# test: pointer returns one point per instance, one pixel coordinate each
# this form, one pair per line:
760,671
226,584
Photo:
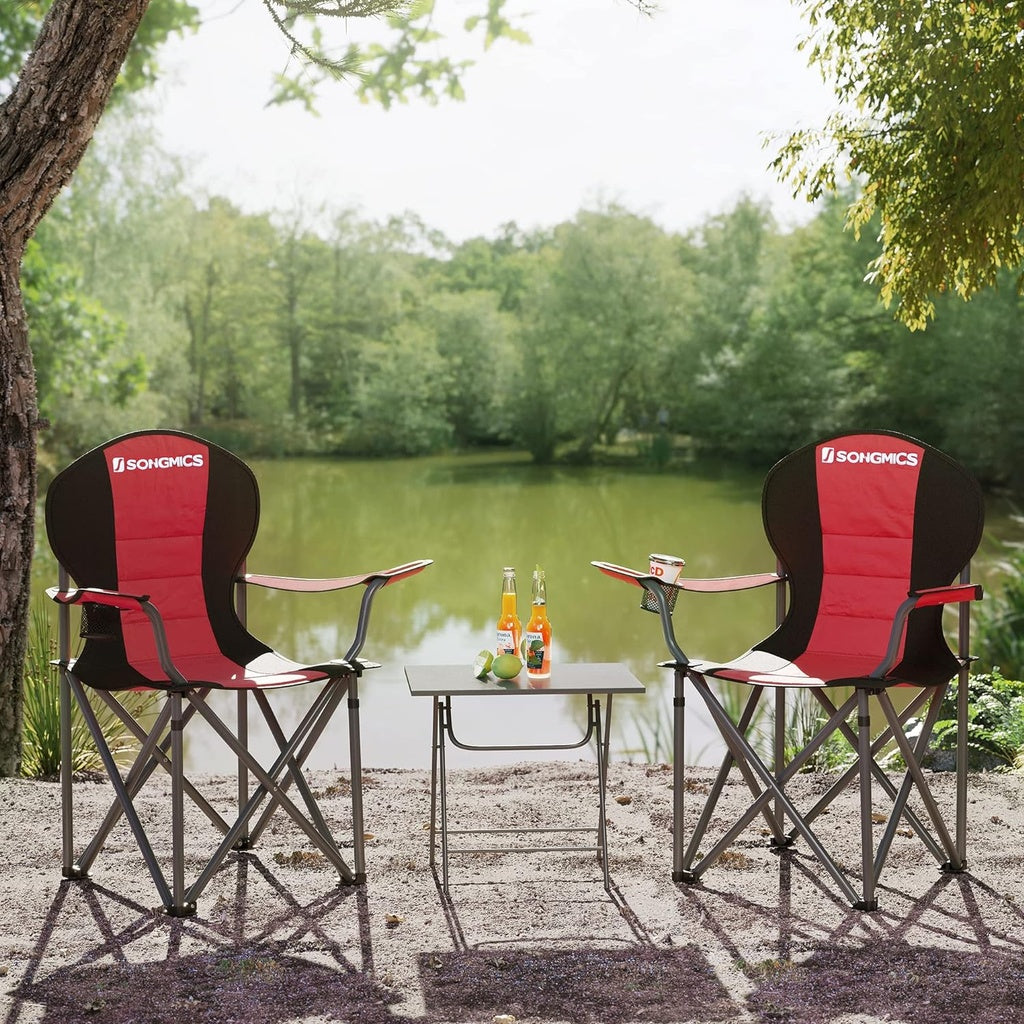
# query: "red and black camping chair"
873,534
154,528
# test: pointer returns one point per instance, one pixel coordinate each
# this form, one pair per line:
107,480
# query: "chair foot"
866,905
949,868
685,876
783,843
359,878
75,873
187,910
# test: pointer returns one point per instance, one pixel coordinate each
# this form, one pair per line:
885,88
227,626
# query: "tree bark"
46,124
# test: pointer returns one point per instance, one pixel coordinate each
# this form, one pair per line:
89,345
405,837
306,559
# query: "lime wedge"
482,665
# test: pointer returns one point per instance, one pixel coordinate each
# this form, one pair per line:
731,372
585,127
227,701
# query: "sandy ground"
530,936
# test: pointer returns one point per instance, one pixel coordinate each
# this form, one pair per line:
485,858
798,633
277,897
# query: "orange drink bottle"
537,643
510,629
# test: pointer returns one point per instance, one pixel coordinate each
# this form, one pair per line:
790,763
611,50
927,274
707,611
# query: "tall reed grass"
41,756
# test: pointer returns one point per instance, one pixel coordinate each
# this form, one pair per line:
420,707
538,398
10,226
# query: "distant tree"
606,303
930,123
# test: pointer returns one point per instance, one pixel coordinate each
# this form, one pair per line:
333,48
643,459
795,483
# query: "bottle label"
506,642
534,646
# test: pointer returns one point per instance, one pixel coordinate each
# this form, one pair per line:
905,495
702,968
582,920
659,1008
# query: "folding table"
445,682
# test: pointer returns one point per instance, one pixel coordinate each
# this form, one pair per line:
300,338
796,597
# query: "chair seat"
266,672
759,668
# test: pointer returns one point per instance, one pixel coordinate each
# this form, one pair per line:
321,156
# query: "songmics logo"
119,464
830,455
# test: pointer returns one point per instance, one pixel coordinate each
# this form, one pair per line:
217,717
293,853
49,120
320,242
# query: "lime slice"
482,665
506,666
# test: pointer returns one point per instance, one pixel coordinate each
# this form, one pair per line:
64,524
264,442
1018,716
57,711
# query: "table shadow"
580,985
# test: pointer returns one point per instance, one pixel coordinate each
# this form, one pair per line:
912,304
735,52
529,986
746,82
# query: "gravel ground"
534,937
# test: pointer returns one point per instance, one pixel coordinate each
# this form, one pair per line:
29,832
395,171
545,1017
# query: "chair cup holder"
649,602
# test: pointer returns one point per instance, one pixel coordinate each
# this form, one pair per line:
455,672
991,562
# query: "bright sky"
665,115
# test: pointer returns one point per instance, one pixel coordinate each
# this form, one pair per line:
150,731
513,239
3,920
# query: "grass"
41,725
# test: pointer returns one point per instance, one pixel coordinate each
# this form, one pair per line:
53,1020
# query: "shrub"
999,619
41,725
995,721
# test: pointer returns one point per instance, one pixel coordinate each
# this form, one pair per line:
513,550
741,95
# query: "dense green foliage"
19,26
999,619
929,119
318,331
995,725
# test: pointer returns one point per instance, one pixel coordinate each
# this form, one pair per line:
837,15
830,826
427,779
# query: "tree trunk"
45,125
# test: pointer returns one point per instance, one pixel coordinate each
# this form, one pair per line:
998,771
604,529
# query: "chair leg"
780,759
153,753
748,759
865,761
678,772
923,789
774,819
123,796
312,726
179,907
268,785
879,775
70,868
295,764
242,730
355,754
962,698
900,810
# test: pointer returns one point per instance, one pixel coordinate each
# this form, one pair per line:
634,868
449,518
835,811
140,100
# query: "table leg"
433,780
445,717
602,782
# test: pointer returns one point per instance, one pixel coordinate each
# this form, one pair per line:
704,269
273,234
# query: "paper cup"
666,569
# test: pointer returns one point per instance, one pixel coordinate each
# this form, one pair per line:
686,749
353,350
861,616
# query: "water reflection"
473,515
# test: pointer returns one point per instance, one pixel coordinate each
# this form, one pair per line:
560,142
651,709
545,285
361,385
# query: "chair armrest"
314,586
127,602
373,581
656,589
95,595
956,593
721,584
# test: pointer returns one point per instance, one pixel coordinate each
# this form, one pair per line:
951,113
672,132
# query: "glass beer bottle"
537,643
510,629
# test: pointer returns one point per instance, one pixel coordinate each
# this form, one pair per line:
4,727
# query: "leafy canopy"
19,26
403,66
930,121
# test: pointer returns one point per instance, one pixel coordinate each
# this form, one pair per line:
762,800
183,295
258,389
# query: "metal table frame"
443,682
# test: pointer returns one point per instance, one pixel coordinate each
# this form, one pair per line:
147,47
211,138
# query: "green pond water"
473,515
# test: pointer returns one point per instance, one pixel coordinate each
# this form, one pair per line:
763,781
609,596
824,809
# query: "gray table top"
458,681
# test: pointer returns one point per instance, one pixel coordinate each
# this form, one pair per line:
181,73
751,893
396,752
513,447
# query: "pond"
473,515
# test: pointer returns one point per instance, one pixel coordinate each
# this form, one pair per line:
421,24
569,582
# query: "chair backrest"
159,513
858,521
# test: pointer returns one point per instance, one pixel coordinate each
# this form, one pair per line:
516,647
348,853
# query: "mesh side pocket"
99,622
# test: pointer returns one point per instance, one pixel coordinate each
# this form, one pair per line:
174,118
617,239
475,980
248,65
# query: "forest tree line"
301,331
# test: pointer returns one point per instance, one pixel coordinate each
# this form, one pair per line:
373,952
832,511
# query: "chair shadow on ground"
955,953
937,959
207,968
